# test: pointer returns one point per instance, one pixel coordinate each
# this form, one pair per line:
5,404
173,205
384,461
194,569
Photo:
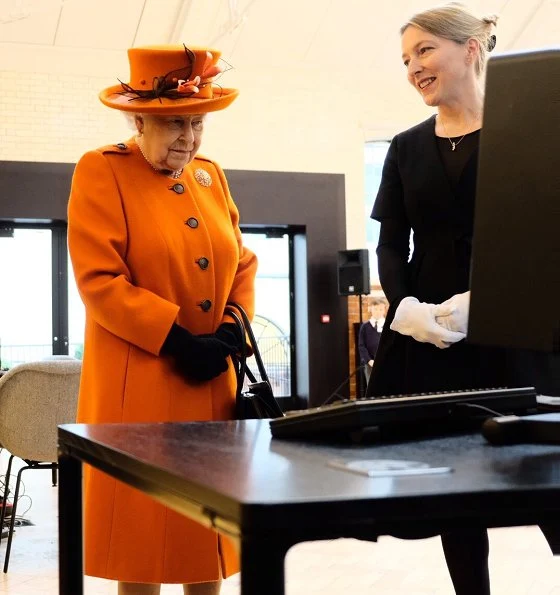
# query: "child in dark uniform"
370,333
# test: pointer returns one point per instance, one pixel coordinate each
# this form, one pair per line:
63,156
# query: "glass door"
26,291
272,321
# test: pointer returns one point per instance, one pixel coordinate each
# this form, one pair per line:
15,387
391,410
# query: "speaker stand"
361,387
360,306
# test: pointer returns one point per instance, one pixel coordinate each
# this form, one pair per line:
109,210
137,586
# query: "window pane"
271,324
26,296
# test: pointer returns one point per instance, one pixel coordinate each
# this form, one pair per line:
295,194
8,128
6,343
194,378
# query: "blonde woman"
428,187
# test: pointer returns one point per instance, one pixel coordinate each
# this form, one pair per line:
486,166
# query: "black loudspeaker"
353,272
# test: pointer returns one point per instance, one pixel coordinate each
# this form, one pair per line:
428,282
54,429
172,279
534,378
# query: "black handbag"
258,401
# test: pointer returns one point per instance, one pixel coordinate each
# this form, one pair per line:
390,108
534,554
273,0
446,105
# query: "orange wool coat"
136,264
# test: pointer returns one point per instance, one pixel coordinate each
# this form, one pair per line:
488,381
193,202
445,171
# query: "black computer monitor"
515,274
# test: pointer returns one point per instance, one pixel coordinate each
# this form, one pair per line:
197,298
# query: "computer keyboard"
441,412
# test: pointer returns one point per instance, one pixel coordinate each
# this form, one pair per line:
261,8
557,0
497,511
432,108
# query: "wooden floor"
521,563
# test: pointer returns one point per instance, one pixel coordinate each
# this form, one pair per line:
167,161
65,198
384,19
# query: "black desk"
272,494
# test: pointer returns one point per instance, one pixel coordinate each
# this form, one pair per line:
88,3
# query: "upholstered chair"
35,398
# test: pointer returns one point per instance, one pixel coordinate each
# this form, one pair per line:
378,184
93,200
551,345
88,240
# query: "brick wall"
54,117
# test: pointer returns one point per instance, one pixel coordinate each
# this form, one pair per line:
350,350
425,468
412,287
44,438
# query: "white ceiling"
348,43
314,33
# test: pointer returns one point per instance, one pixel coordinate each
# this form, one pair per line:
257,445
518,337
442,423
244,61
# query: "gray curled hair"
131,117
456,22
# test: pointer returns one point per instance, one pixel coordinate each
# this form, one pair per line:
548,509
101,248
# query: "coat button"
121,146
203,263
206,305
178,188
192,222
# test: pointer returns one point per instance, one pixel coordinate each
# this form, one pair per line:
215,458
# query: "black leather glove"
229,333
196,357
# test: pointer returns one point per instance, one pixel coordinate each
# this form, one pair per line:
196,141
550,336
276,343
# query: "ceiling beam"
179,22
138,24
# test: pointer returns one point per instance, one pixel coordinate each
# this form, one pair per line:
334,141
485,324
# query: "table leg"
71,580
262,566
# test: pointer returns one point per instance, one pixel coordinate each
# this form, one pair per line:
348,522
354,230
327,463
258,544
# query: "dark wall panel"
34,190
39,191
315,201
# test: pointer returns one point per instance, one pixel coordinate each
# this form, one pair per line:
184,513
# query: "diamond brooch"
202,177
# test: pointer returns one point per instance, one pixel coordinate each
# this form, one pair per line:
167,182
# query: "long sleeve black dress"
429,189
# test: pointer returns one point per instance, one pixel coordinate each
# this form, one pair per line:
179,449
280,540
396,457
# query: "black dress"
428,191
431,192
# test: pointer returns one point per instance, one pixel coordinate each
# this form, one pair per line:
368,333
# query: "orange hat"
170,79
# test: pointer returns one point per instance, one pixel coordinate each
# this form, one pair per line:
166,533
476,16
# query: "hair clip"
491,43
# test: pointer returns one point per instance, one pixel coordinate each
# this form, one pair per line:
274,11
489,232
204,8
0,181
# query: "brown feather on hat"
170,80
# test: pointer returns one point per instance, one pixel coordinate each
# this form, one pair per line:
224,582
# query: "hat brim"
115,98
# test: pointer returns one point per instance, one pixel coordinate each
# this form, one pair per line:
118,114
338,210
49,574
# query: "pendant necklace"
453,143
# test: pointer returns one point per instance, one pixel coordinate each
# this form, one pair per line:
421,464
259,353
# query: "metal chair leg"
13,519
5,498
54,474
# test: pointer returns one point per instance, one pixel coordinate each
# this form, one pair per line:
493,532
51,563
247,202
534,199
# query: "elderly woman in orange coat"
157,252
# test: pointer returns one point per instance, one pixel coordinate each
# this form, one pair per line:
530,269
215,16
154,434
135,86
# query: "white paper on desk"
386,467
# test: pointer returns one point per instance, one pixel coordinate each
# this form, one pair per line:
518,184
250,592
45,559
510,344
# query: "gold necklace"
175,175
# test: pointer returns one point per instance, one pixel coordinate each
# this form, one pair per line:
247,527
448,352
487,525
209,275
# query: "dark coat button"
206,305
178,188
121,146
192,222
203,263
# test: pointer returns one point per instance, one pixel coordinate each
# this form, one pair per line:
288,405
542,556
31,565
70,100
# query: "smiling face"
170,142
439,69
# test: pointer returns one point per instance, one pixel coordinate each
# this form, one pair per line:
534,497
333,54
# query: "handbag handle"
247,329
240,362
259,403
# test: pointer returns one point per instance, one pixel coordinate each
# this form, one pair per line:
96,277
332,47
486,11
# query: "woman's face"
170,142
437,68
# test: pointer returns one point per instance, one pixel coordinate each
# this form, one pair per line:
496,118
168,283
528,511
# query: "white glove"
418,320
458,318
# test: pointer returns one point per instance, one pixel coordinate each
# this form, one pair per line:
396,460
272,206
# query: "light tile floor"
521,563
